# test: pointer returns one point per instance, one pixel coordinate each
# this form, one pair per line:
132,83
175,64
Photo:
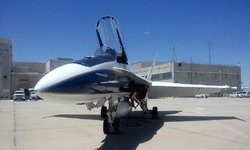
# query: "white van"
241,94
19,95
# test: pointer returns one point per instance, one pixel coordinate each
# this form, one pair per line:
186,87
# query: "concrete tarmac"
184,123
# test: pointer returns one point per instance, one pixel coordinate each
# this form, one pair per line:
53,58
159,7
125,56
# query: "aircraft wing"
167,89
133,76
169,84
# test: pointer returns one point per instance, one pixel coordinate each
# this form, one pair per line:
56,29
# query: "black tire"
117,126
154,113
106,126
104,112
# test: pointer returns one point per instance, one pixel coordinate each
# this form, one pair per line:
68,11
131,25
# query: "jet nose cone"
58,75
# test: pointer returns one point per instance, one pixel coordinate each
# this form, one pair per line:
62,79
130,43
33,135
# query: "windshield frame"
101,55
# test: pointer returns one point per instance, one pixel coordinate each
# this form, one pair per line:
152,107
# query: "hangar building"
191,73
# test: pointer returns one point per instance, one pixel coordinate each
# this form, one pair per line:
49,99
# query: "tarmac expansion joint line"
14,130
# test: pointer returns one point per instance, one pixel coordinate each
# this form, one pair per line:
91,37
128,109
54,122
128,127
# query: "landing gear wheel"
104,112
106,126
117,126
154,113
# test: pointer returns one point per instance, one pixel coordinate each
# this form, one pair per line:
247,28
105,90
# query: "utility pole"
209,43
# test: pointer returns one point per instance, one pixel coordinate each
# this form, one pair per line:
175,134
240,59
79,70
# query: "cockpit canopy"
111,47
101,55
108,34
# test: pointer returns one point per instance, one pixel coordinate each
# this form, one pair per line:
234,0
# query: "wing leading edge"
167,89
168,84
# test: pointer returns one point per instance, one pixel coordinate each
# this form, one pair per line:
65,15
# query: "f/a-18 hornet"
106,76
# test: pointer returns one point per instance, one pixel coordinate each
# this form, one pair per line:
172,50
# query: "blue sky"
45,29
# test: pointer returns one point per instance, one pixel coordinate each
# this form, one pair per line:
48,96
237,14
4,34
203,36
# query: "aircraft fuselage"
75,83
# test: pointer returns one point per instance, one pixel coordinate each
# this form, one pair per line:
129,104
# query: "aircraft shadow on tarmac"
138,128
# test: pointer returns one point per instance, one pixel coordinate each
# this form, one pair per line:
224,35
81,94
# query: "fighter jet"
106,76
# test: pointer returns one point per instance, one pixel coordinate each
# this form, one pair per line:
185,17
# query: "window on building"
194,75
224,76
232,76
155,77
167,76
209,75
182,74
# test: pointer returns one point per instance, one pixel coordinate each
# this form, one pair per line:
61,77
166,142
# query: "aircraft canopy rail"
108,34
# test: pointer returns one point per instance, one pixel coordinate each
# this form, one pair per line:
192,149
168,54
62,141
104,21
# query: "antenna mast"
209,43
174,57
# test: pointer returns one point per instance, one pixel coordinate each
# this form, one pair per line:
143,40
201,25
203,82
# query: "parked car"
19,95
33,96
247,94
201,96
233,95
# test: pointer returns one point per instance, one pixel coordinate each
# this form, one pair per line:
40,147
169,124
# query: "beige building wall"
55,63
25,75
190,73
207,74
32,66
24,81
5,67
48,66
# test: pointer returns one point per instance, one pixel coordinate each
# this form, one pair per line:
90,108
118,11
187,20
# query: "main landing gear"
113,127
119,107
104,112
154,113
